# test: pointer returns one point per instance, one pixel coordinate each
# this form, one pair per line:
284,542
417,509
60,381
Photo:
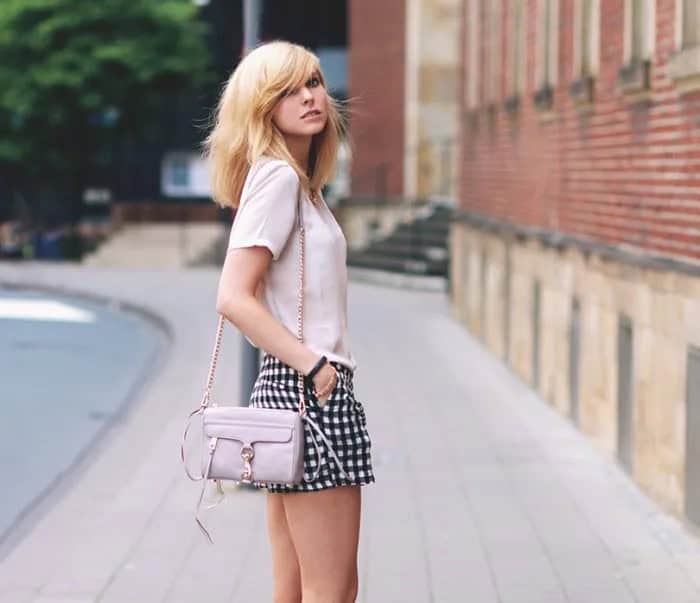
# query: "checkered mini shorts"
342,420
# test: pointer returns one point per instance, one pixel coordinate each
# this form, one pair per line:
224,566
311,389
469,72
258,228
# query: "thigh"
325,529
285,567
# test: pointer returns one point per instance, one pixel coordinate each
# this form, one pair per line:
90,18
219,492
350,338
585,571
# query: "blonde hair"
243,128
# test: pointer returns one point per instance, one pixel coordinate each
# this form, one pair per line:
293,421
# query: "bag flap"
250,424
248,432
250,414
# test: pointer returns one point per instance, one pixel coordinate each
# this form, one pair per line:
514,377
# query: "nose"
306,93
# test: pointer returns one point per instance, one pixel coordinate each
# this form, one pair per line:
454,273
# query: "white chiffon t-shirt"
266,216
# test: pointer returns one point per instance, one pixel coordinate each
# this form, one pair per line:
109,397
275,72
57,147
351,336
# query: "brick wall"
376,85
620,172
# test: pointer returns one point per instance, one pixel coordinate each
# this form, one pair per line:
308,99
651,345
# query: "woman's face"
302,112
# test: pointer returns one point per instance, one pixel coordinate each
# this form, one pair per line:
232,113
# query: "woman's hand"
325,380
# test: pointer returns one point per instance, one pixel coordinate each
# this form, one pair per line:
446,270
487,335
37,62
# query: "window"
586,44
179,173
516,52
184,174
640,29
684,66
473,26
634,25
493,57
586,32
547,51
690,27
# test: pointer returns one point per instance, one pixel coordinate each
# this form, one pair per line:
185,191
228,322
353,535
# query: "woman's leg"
285,567
325,529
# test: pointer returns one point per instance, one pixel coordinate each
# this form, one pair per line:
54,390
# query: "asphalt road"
67,366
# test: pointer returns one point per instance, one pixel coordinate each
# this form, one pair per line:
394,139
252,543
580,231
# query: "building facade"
403,80
576,253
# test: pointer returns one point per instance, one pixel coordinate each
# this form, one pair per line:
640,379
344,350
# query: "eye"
315,79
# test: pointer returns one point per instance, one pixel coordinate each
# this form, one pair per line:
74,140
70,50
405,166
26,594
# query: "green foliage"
75,75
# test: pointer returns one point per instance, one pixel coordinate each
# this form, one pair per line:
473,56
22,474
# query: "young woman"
276,127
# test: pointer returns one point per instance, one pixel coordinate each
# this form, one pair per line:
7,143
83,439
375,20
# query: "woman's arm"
242,270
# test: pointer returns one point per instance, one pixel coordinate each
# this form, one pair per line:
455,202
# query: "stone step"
433,229
392,248
417,237
416,248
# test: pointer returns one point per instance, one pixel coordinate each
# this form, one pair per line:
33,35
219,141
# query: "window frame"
547,53
635,74
493,56
473,48
684,65
680,26
582,86
517,49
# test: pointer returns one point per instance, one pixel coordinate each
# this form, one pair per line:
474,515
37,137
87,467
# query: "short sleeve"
267,211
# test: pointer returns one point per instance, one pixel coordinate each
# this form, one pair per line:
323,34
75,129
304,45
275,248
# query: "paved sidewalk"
160,245
483,494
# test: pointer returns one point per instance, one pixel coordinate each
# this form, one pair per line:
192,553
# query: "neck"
299,147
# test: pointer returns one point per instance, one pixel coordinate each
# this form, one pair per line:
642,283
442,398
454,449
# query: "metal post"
250,355
446,161
252,9
182,235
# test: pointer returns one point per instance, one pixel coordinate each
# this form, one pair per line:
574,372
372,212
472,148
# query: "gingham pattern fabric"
342,420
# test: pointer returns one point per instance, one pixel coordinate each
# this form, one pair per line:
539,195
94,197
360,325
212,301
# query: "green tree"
76,76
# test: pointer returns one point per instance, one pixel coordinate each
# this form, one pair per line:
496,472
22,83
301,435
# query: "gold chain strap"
300,311
300,301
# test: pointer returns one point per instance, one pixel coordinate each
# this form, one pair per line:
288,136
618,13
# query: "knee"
346,593
286,597
286,589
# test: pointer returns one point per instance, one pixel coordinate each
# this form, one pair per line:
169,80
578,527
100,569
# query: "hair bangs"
301,67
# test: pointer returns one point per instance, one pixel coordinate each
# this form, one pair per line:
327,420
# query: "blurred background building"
102,117
404,68
576,245
320,26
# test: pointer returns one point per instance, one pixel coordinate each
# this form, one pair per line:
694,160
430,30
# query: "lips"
311,113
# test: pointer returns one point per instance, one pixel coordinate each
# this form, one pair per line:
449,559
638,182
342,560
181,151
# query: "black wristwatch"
317,367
